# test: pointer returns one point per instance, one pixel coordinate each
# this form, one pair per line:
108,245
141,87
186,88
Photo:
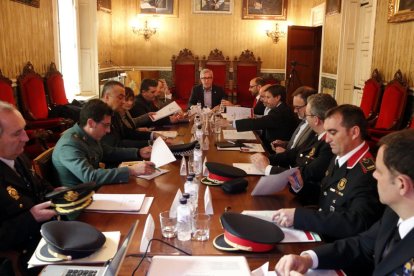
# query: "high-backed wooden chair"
184,75
371,95
43,166
33,101
55,86
6,90
220,66
245,68
392,107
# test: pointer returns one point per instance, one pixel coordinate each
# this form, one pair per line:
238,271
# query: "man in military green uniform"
21,193
348,202
311,158
79,151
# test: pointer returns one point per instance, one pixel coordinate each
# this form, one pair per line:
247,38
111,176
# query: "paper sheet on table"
167,133
273,183
153,175
147,234
161,153
208,203
107,251
175,203
143,211
249,168
291,235
167,110
238,112
264,271
117,202
232,134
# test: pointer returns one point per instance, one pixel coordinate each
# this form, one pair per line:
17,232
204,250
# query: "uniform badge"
312,152
13,193
341,184
408,267
71,196
367,164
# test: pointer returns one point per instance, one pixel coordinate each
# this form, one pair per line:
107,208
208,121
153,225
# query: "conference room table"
164,188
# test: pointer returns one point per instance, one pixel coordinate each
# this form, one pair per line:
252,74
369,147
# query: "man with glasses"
206,93
348,199
79,152
254,87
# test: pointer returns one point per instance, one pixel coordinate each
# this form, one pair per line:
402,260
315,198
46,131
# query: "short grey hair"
206,70
5,107
320,104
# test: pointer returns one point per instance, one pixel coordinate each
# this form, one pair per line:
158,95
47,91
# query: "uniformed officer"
348,202
21,193
79,151
312,158
388,245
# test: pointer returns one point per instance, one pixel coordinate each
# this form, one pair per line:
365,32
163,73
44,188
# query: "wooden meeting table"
164,188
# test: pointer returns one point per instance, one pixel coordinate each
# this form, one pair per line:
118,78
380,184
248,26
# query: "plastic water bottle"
183,221
192,188
199,134
198,159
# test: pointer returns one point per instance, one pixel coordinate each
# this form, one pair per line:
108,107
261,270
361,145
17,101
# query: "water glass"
201,227
168,225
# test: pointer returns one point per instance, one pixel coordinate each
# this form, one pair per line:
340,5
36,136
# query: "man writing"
388,244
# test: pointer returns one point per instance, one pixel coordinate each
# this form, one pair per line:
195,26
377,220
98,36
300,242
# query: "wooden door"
302,58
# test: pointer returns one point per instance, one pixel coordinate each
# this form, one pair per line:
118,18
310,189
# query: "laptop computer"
111,269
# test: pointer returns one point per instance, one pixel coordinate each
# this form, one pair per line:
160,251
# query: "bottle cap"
183,200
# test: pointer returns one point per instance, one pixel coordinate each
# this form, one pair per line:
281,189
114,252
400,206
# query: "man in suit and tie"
254,87
348,199
388,244
303,131
206,93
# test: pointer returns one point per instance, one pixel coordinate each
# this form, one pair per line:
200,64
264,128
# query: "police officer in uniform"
78,152
21,192
312,158
348,202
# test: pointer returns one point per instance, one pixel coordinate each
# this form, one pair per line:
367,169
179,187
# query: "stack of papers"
120,203
273,183
232,134
291,235
167,133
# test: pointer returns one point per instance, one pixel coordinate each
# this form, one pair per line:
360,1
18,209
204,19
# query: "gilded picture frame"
213,6
265,9
33,3
400,10
167,8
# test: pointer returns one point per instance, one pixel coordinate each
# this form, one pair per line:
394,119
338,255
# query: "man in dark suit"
279,121
388,244
207,94
21,193
254,87
348,202
313,158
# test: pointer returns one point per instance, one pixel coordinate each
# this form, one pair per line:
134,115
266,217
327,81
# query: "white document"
249,168
175,203
167,133
232,134
205,170
117,202
161,153
107,251
147,234
273,183
208,203
146,205
238,112
199,265
264,271
157,172
291,235
167,110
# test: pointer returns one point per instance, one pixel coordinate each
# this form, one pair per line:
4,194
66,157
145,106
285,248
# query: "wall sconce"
276,34
145,29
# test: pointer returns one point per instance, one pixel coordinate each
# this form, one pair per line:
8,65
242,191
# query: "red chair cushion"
244,75
6,93
56,90
392,104
35,97
370,96
184,81
219,73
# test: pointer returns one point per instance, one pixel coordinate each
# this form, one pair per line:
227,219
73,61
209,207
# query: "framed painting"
33,3
105,6
158,7
213,6
333,7
265,9
400,10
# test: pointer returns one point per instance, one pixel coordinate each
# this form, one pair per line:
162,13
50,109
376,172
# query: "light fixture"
146,30
276,34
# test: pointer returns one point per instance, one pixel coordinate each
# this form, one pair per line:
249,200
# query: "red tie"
254,102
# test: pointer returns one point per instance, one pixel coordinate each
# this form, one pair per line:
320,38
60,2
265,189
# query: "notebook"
111,269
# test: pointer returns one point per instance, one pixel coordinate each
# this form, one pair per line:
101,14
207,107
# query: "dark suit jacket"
259,108
303,138
197,95
142,107
278,124
348,202
18,228
367,249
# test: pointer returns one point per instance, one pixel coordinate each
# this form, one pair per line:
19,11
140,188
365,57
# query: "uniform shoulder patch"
367,164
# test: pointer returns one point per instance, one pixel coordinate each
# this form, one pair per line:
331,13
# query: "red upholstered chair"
371,96
245,68
184,75
220,66
6,90
34,104
392,107
55,86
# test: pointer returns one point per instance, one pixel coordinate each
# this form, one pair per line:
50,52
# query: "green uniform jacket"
76,159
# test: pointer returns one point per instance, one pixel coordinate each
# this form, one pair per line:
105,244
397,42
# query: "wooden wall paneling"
104,38
332,30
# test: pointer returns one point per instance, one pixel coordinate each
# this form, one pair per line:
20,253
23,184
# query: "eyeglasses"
310,115
206,78
105,125
297,107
